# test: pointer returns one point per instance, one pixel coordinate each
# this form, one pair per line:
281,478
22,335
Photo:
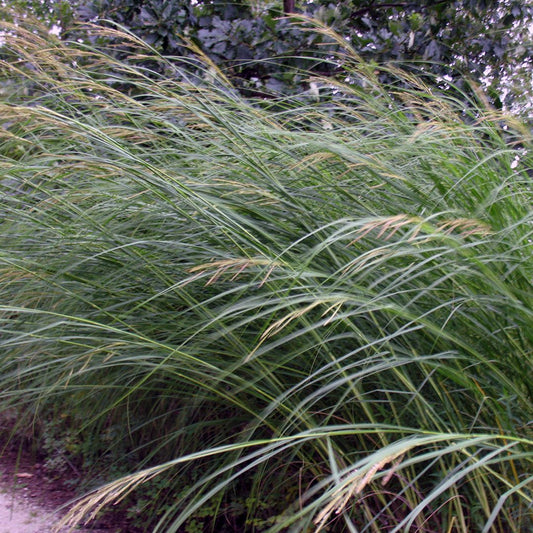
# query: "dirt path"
18,514
22,512
31,502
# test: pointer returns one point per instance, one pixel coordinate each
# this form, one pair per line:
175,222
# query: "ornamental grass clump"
305,314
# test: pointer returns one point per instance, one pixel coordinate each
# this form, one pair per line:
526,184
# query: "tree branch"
375,7
288,6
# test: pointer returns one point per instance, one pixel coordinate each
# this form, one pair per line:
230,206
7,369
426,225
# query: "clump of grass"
302,314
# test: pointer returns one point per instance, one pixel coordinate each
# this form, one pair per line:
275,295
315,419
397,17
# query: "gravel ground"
32,499
30,502
19,515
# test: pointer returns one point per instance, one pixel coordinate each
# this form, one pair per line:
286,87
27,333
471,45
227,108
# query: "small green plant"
61,448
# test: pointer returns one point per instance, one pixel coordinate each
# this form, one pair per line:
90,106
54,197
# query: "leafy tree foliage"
265,46
259,45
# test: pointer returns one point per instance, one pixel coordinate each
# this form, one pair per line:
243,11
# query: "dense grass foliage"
291,315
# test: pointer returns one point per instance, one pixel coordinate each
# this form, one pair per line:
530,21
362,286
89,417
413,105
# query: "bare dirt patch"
32,501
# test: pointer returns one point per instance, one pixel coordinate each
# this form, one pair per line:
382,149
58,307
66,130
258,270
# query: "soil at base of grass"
22,474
